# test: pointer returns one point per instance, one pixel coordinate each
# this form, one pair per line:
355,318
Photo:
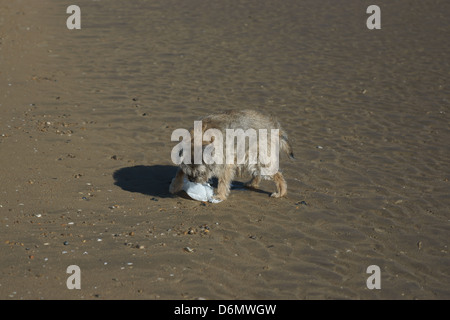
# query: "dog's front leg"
224,182
177,183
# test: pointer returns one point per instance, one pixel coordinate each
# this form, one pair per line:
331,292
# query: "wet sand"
85,125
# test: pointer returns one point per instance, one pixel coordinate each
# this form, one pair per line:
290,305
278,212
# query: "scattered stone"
187,249
191,231
204,229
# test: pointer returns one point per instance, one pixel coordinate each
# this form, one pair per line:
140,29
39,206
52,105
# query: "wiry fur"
245,119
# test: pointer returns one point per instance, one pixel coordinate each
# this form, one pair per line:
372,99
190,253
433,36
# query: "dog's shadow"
149,180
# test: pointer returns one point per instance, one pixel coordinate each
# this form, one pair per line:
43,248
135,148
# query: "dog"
225,171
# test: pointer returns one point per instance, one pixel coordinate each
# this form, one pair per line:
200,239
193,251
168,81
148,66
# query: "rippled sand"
85,145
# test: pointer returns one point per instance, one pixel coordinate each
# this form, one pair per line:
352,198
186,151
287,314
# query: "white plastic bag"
199,192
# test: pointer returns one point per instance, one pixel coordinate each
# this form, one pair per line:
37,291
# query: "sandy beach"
85,125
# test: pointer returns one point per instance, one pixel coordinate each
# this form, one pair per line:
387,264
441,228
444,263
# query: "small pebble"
187,249
191,231
66,243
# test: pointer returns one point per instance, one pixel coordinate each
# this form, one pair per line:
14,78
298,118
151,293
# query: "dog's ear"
204,126
205,143
191,135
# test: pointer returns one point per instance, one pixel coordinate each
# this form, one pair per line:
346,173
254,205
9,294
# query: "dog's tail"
285,146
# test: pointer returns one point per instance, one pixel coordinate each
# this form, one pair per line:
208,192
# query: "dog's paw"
275,195
217,198
214,200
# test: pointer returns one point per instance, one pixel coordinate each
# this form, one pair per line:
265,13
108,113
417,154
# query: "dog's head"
198,173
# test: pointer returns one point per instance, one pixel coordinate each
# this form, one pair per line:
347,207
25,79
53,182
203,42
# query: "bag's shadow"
148,180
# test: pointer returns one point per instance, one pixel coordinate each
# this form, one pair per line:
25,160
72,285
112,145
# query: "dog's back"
247,119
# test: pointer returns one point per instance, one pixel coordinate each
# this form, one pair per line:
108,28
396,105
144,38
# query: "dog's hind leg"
281,185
